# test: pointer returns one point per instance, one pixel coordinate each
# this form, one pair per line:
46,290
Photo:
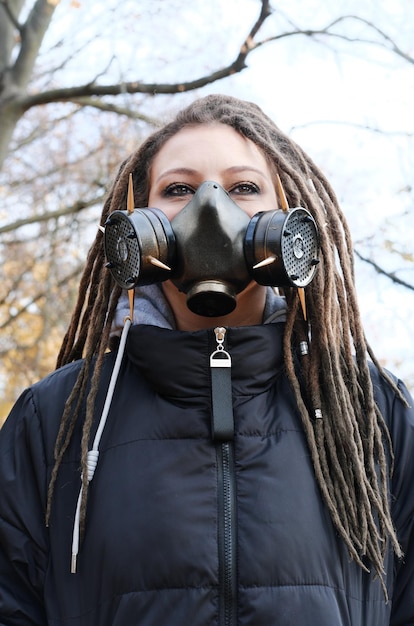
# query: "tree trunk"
16,69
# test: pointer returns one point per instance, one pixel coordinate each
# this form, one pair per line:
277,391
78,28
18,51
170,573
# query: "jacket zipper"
227,534
223,434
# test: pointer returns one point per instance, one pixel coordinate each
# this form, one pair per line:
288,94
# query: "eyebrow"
189,171
176,170
245,168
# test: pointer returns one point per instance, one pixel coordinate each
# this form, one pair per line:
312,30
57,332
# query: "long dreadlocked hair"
348,440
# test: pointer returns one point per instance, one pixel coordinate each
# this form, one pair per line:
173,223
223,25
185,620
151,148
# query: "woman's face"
216,153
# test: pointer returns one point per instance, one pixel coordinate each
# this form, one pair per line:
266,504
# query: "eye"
245,189
178,190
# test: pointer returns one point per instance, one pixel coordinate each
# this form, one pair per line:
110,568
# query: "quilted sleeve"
402,431
23,535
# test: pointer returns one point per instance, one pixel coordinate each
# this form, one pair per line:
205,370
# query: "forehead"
206,142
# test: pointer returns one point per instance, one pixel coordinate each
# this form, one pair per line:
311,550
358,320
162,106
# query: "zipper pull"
220,357
222,421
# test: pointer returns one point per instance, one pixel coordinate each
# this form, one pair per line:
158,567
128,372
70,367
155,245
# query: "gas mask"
212,249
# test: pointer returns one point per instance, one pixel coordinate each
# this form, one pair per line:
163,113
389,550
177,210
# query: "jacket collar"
176,363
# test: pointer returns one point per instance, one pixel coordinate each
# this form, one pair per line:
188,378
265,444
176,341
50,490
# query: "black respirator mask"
212,249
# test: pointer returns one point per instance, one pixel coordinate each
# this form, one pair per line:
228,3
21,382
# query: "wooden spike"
301,294
131,295
282,196
267,261
130,202
101,228
158,263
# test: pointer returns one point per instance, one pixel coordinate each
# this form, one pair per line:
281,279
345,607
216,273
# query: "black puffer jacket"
182,530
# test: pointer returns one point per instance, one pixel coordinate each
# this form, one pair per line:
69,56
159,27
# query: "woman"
254,467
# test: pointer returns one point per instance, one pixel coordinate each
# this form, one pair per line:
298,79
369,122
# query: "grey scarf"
151,307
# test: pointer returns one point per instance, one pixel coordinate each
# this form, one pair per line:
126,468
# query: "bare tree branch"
38,131
15,76
12,17
380,270
32,33
393,46
41,294
15,282
388,43
113,108
67,210
8,25
90,89
367,127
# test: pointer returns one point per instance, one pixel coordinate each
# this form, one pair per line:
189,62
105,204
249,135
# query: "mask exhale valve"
212,249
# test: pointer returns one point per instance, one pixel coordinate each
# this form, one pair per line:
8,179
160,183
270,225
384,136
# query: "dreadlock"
348,440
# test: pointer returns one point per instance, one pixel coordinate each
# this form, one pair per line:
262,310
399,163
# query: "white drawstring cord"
93,454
